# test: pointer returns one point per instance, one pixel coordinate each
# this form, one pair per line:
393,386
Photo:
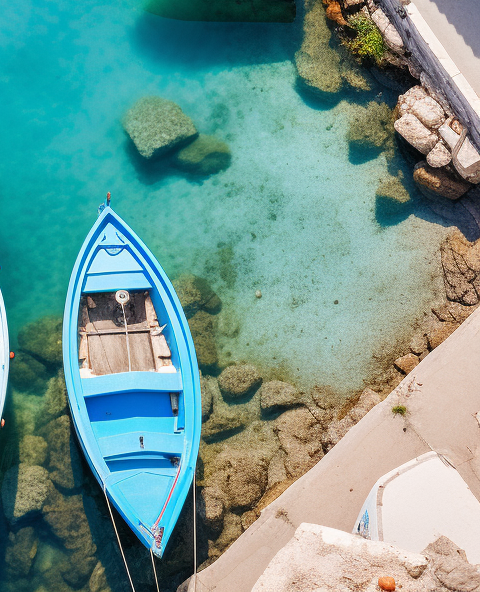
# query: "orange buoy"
386,583
2,423
12,355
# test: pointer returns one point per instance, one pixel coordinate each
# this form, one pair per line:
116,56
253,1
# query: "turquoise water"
292,216
295,217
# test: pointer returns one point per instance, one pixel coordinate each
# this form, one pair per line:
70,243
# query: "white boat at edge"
413,505
4,354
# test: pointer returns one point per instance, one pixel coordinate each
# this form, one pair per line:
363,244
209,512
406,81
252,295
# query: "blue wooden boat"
132,379
4,354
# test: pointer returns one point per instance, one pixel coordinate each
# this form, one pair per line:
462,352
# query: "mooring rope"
126,335
118,537
194,529
154,570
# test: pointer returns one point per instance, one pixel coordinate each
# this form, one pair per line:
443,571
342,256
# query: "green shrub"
369,41
399,410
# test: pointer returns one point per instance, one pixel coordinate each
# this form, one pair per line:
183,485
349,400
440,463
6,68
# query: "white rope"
118,537
154,570
194,529
126,335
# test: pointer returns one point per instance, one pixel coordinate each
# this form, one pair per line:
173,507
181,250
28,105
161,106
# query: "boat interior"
116,337
132,389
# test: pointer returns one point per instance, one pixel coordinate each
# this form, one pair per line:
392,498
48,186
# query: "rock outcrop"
277,394
157,125
415,133
330,560
203,334
461,269
438,182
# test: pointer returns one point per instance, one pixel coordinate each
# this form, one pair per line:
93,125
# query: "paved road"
456,23
441,417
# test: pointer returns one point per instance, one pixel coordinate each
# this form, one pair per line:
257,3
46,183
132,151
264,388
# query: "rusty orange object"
386,583
2,423
12,355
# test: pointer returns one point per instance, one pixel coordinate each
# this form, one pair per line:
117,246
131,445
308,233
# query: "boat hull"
132,379
4,354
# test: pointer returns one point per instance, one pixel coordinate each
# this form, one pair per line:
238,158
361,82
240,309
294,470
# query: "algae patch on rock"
157,125
206,155
42,339
371,127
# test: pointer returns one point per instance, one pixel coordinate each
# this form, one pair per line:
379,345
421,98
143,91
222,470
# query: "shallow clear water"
292,216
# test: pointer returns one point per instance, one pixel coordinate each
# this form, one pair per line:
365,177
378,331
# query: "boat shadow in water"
201,45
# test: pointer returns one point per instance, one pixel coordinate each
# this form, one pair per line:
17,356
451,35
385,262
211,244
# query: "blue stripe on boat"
141,449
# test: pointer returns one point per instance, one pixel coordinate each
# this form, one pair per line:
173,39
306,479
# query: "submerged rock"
55,399
232,529
24,491
43,340
33,450
438,182
195,294
392,196
206,155
98,580
276,394
157,125
241,475
406,363
65,468
28,374
203,334
239,380
438,334
20,553
224,420
317,63
252,11
371,127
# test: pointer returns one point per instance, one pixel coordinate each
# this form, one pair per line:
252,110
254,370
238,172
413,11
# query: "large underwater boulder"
434,182
205,156
392,196
157,125
42,339
24,491
272,11
28,374
239,380
196,294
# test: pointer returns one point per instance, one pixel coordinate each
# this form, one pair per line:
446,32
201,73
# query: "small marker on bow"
2,423
108,198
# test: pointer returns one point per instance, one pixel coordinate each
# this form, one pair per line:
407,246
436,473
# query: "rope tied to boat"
154,570
118,538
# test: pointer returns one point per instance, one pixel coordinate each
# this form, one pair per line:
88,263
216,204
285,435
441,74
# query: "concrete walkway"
442,397
456,25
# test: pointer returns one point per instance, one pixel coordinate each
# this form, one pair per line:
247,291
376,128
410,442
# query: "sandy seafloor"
292,216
